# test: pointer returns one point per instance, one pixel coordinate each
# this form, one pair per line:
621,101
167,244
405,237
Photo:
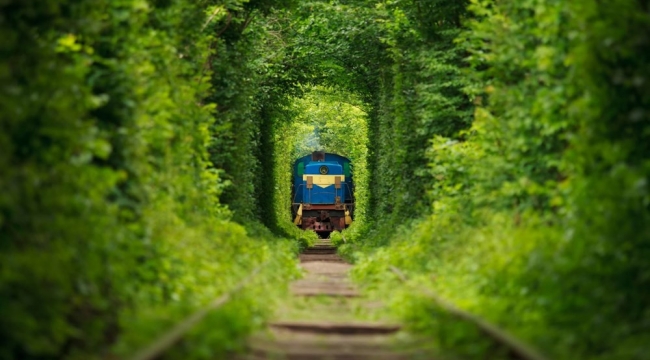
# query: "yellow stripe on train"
324,180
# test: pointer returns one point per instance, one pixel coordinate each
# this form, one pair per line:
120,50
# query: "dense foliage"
110,219
539,209
500,150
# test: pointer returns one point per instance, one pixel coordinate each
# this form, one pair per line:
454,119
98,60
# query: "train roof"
323,156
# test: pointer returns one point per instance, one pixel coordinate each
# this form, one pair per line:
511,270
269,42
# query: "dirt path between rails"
326,318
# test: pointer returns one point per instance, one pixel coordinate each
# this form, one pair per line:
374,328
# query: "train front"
325,194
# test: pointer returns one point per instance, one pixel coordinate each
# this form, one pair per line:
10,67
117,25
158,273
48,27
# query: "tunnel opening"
321,162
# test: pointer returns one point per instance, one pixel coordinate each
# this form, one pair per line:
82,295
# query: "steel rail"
158,347
516,346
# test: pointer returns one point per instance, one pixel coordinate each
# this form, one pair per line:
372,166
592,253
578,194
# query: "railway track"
321,320
327,318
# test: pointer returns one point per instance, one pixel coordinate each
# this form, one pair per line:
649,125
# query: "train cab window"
346,169
301,169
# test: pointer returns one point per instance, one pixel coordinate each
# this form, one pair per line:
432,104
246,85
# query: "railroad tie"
318,322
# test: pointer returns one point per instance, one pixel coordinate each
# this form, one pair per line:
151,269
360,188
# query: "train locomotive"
322,193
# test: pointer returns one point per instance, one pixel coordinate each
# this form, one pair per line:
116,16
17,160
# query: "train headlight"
324,170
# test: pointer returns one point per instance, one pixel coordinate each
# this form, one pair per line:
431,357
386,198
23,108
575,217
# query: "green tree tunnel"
501,149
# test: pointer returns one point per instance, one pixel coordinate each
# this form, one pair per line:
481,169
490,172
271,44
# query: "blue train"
322,193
